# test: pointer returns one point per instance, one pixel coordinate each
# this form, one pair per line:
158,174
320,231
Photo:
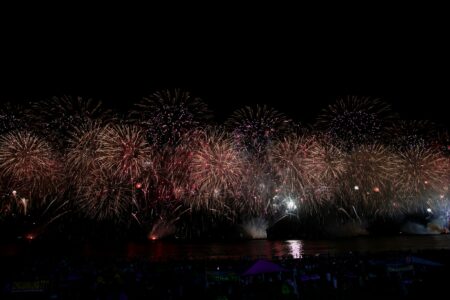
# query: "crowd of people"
387,275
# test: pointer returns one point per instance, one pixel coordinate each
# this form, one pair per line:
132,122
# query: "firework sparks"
11,118
59,116
28,164
306,168
124,151
370,172
420,171
167,115
215,171
354,121
254,127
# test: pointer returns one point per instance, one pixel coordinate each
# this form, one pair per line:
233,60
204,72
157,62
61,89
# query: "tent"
422,261
409,260
263,266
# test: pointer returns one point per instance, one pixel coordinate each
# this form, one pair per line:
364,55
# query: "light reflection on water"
289,248
296,248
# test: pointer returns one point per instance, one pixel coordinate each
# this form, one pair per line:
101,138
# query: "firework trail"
165,225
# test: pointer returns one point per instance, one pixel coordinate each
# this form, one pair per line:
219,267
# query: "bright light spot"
356,187
442,196
14,193
29,236
295,248
290,204
426,182
138,185
153,237
429,210
376,189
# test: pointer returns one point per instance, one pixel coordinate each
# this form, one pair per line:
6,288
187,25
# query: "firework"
215,169
82,156
254,127
307,170
102,197
367,183
11,118
124,152
28,165
165,225
112,168
258,186
178,161
167,115
404,134
362,165
328,162
420,172
58,116
354,121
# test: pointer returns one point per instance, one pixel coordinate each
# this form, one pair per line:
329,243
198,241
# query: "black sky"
295,68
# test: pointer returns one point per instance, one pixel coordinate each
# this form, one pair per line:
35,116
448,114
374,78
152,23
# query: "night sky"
295,69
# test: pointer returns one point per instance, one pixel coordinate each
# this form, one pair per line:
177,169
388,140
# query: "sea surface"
166,250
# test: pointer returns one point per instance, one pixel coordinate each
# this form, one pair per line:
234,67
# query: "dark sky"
297,70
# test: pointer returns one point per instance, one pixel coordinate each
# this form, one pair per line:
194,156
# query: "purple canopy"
264,266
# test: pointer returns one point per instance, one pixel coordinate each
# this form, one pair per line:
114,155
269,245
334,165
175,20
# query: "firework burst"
57,117
167,115
404,134
258,186
82,156
28,165
254,127
306,169
102,197
420,172
124,151
354,121
215,170
11,118
367,184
